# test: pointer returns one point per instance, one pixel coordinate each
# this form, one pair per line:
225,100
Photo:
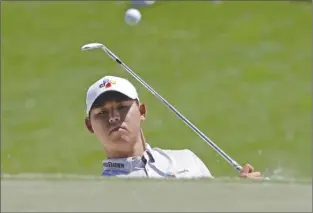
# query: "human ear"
143,111
88,125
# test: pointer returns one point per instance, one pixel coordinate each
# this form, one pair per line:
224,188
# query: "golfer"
115,115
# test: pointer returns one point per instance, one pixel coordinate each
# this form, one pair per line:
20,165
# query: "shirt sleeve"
203,170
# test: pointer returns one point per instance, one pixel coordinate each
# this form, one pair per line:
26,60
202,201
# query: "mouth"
114,129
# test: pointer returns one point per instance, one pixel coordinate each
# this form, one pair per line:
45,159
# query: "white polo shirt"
158,163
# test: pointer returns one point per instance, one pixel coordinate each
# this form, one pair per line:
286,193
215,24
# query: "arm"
203,170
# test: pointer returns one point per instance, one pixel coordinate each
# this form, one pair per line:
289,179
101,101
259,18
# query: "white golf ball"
132,16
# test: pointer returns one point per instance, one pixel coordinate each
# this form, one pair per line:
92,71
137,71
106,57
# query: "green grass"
240,71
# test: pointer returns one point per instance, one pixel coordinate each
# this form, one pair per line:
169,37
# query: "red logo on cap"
108,84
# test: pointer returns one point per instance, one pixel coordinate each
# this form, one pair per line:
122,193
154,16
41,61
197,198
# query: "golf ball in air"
132,16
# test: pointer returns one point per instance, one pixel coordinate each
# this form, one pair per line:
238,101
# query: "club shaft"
233,163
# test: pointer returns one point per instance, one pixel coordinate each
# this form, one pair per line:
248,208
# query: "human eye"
102,112
122,106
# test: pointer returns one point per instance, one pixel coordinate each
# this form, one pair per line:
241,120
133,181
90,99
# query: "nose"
114,118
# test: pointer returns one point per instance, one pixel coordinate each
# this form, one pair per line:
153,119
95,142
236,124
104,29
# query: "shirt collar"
149,153
131,163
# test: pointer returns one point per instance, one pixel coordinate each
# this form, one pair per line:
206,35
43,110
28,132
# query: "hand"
249,173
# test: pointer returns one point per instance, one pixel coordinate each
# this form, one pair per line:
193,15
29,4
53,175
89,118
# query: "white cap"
109,83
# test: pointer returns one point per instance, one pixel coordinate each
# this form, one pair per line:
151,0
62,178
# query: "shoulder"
182,155
170,150
174,153
185,153
177,153
184,158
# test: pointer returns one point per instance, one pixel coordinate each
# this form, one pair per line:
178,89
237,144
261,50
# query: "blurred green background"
240,71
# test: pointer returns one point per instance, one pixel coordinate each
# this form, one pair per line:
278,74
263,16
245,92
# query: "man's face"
116,120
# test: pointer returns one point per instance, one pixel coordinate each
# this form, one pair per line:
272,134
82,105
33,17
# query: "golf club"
233,163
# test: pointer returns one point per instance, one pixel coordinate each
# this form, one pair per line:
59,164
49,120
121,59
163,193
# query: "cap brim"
112,89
